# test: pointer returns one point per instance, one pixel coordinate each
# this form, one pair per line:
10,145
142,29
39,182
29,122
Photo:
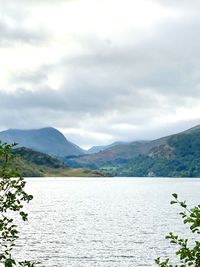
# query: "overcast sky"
100,70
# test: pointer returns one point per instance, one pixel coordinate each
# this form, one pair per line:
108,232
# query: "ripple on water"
102,222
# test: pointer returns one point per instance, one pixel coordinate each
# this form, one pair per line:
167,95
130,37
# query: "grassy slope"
175,155
179,157
35,164
119,154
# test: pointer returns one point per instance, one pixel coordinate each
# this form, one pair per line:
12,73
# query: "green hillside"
170,156
119,154
179,157
36,164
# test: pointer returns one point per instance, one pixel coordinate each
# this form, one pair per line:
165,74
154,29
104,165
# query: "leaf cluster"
188,255
12,200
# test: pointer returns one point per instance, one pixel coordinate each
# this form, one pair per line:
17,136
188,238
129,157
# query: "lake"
102,221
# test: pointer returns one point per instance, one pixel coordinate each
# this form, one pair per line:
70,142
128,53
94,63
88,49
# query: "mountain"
36,164
179,157
96,149
113,156
48,140
174,155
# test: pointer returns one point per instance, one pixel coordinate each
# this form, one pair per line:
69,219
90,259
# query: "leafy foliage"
12,199
188,255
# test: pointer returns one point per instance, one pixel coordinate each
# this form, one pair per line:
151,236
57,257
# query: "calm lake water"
102,221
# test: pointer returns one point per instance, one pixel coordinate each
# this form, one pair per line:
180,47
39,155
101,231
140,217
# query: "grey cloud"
115,83
20,33
180,4
14,25
31,77
8,35
51,108
168,60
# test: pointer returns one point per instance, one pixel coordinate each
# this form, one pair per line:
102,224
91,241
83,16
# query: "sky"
100,70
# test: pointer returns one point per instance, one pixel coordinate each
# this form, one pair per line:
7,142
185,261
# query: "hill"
179,157
47,140
113,156
96,149
174,155
36,164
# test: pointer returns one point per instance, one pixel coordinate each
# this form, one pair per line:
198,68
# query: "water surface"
102,221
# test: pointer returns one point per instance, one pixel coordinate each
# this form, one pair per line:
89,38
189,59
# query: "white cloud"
100,70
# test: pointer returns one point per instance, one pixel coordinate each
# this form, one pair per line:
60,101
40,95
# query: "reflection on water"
102,221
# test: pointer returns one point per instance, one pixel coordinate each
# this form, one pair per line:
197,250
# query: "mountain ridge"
96,149
47,140
173,155
132,158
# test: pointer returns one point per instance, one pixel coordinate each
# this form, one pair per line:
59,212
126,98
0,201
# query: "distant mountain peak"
97,149
47,140
172,155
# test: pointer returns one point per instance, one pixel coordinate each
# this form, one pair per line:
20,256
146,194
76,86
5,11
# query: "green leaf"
173,202
175,195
